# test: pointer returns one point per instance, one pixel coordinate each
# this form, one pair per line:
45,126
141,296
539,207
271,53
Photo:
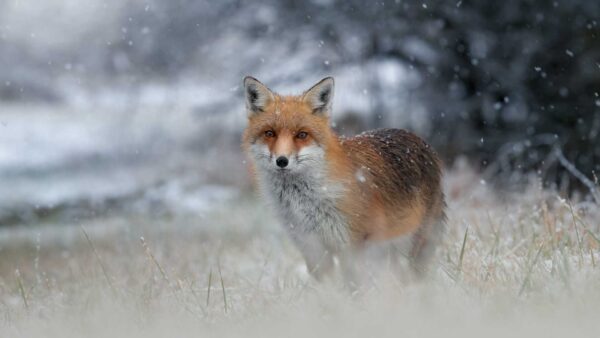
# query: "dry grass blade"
100,262
222,287
155,261
174,287
577,236
530,270
22,289
462,253
208,289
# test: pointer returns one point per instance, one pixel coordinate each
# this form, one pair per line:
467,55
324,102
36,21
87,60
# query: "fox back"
335,194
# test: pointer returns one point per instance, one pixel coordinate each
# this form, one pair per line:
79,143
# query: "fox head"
288,134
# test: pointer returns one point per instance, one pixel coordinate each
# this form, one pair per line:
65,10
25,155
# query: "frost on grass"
515,264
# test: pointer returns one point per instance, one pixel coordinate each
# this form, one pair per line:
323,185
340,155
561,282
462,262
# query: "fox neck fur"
307,201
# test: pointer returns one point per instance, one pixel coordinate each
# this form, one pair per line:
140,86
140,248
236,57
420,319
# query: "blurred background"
135,107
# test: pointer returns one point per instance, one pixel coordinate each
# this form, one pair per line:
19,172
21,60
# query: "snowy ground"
520,265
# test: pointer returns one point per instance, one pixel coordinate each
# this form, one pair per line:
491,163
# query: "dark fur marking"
252,93
413,164
324,96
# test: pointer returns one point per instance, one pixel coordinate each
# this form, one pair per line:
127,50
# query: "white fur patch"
303,197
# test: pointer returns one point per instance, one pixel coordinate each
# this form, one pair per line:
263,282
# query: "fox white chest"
308,207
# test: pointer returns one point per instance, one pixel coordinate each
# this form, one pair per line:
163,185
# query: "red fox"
337,194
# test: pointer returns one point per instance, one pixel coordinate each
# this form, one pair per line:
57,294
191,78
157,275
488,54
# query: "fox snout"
282,149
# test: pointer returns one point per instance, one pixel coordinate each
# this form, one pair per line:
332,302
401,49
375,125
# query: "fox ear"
257,95
320,96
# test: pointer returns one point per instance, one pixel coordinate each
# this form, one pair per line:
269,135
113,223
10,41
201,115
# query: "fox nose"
282,161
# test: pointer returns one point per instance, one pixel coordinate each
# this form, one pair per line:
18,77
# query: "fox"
337,195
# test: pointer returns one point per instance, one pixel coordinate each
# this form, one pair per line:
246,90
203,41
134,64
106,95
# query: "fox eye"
302,135
269,133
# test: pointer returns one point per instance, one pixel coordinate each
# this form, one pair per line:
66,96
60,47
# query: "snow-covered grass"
514,264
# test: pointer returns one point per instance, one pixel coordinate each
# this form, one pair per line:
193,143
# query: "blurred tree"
514,84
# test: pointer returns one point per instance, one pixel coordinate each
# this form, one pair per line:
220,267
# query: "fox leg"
354,267
320,267
424,244
319,260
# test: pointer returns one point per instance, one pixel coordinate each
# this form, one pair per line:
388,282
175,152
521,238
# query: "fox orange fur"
336,194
